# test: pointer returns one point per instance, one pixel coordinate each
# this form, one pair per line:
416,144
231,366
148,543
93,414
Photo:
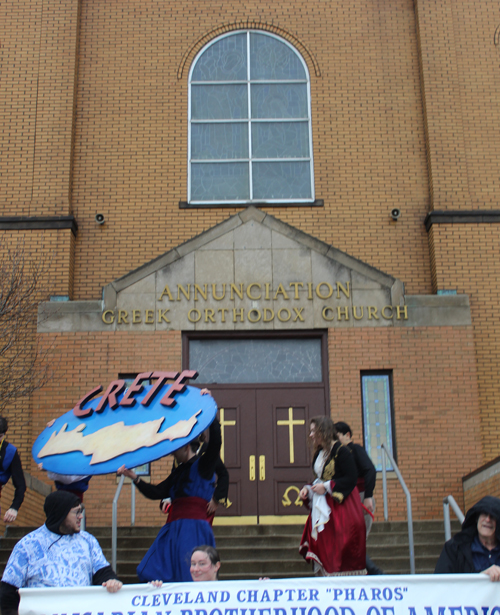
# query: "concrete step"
400,539
257,530
249,552
129,542
418,526
245,566
129,579
379,530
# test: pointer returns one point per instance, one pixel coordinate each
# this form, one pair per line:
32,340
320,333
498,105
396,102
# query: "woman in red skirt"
334,534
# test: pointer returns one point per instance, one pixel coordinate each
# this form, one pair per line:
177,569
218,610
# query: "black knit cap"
57,506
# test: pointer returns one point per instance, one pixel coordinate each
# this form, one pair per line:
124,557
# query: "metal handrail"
449,499
408,502
132,504
114,521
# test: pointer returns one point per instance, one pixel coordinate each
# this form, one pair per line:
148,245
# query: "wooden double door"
265,446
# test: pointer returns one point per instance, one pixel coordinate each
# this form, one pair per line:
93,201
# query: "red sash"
188,508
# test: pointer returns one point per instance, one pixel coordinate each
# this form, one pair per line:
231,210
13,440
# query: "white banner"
471,594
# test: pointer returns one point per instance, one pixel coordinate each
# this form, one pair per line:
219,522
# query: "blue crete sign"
125,426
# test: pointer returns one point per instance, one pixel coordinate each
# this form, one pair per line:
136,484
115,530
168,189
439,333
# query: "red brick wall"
467,260
435,406
459,60
485,482
489,487
130,157
39,43
434,384
93,119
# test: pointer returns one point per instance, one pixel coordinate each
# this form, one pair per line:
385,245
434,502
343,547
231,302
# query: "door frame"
187,336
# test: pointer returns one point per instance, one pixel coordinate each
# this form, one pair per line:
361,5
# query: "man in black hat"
476,548
56,555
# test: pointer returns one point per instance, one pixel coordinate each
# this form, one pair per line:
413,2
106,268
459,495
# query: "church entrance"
265,446
265,425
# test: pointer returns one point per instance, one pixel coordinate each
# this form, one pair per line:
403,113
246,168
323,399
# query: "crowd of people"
339,499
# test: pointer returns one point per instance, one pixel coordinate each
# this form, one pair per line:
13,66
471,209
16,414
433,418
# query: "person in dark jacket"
221,486
367,475
10,467
476,548
334,537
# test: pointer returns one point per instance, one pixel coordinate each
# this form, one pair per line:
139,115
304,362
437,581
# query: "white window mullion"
221,160
189,144
309,118
250,170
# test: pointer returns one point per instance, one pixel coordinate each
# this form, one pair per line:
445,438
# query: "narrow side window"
378,427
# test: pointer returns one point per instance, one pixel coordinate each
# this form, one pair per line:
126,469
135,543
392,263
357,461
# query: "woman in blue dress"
190,486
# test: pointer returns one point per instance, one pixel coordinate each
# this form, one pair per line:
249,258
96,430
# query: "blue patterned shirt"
45,559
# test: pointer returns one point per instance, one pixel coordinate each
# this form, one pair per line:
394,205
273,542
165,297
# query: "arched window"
249,122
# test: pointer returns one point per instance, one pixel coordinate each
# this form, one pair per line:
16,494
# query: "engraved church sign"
255,273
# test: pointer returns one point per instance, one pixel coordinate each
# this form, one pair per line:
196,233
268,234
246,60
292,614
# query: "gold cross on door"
290,423
223,424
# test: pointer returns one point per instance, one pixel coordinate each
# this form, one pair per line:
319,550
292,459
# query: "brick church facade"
214,180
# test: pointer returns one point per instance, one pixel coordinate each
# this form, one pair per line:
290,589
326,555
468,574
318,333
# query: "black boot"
372,568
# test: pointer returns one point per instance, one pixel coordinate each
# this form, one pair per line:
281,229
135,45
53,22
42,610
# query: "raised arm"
211,456
19,488
222,486
152,492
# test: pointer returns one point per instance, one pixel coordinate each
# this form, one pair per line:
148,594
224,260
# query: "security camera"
395,213
99,218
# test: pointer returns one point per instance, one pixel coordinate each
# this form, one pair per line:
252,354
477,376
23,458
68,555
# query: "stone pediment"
253,272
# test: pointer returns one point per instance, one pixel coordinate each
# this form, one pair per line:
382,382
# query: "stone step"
398,539
380,557
222,542
244,566
260,542
129,579
286,545
393,527
249,552
245,570
252,576
258,530
226,554
418,526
